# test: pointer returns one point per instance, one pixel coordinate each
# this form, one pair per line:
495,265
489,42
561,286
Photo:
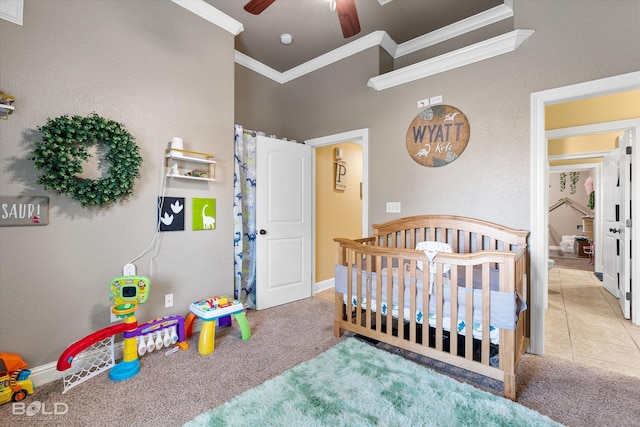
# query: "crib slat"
486,312
351,261
413,290
454,240
400,287
468,315
453,330
369,264
359,289
379,294
425,306
438,292
466,247
389,321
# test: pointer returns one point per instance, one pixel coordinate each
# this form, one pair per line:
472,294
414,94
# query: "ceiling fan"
347,14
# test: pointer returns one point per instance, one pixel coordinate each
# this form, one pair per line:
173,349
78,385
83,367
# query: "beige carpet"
170,390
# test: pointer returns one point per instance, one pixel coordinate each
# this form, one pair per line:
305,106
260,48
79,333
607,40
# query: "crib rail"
465,235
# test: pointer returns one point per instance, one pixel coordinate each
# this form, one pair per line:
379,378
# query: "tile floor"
584,323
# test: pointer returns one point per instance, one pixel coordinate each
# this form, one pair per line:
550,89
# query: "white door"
616,243
624,231
283,222
611,198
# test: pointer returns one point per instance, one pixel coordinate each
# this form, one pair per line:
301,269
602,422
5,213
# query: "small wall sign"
438,135
341,175
24,210
171,213
203,214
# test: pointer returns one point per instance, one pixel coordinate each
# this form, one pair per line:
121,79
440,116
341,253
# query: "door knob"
614,230
263,232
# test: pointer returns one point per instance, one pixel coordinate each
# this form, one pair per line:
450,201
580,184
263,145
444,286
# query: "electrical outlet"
168,300
393,207
423,103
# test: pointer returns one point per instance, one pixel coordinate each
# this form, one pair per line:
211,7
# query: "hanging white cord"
155,241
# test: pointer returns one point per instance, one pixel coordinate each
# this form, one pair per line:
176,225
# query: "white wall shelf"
187,164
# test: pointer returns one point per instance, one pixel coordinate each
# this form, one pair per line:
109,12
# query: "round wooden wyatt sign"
438,135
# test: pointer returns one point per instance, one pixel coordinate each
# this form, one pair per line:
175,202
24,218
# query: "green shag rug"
355,384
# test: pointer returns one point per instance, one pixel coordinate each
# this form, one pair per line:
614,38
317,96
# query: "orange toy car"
15,384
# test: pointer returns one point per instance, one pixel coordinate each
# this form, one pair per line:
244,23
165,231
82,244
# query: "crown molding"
377,38
12,10
464,56
382,39
211,14
258,67
467,55
456,29
363,43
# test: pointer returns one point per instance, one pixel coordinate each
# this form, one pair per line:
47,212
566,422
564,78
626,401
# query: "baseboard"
44,374
324,285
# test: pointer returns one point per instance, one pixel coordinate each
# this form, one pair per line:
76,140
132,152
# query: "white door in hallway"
616,243
283,221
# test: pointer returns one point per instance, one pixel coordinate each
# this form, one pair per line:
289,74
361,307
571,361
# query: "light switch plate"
393,207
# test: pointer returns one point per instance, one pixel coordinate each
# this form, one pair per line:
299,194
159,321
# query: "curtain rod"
248,131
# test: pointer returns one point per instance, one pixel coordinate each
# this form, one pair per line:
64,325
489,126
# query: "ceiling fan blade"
256,7
348,16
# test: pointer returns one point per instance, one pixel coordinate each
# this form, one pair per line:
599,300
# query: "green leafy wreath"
63,149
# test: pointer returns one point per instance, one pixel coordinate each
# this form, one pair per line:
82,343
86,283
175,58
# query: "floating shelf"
180,164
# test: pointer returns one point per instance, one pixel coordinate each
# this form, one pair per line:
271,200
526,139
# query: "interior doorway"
359,137
569,204
539,186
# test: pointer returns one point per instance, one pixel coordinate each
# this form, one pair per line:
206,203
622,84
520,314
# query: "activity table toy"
213,308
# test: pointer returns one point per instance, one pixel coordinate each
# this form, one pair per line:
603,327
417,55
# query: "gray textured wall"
159,70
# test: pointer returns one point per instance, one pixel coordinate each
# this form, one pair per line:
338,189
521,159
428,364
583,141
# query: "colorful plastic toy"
125,293
128,292
15,384
214,308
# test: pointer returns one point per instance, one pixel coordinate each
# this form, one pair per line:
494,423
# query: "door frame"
539,175
357,136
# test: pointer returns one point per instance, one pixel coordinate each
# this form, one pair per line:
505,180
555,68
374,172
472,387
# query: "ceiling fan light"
286,39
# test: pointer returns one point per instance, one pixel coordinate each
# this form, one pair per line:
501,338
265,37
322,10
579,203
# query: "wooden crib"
488,262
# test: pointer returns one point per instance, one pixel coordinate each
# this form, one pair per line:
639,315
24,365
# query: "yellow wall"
600,109
338,213
587,143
